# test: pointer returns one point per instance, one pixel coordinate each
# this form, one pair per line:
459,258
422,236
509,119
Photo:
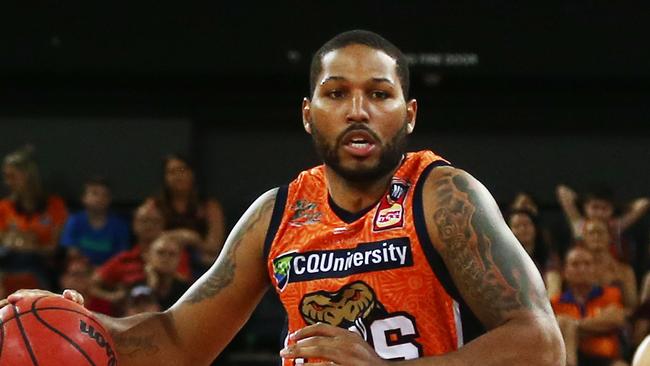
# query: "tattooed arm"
206,318
493,274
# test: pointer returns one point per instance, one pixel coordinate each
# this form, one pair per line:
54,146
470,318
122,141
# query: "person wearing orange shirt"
590,316
30,219
379,256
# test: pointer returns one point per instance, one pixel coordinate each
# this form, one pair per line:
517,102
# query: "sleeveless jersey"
372,275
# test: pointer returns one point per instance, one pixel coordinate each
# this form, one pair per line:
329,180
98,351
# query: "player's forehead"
357,63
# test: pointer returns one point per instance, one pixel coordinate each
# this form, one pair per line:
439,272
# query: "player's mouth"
359,143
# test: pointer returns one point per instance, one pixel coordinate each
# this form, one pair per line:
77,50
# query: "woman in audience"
609,270
523,224
30,219
184,209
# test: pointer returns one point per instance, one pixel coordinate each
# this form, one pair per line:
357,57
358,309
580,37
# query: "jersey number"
394,337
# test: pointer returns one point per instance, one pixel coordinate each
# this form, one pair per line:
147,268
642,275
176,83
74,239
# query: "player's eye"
336,94
379,94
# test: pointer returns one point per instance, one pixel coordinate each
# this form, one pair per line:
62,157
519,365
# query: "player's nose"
357,109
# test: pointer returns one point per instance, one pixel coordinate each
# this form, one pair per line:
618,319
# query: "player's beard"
390,157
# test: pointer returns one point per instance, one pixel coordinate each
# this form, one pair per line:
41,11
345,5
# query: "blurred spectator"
525,201
30,219
609,270
77,275
590,316
95,232
160,269
184,209
599,205
523,224
127,268
140,299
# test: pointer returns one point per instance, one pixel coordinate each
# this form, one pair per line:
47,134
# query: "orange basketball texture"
53,331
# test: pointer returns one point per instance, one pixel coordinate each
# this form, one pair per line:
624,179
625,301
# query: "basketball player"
376,255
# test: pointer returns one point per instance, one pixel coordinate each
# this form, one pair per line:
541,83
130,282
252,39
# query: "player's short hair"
366,38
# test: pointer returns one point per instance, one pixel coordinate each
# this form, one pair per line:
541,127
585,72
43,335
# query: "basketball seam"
56,308
75,345
22,332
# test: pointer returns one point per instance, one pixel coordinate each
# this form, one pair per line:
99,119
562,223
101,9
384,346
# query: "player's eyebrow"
339,78
383,80
332,78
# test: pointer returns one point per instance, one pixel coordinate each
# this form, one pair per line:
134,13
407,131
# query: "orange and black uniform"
374,272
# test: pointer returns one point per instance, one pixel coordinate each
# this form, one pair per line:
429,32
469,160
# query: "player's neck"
353,196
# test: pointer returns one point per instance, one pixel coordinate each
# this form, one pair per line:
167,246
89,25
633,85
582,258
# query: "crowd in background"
123,268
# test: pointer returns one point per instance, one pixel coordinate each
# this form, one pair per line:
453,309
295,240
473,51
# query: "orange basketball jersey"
370,273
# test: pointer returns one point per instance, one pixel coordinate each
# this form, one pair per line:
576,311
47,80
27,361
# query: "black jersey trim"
472,327
276,218
345,215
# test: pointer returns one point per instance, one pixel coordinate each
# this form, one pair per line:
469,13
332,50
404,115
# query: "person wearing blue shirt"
95,232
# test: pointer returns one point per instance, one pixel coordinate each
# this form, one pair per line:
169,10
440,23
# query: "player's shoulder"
269,196
262,208
445,177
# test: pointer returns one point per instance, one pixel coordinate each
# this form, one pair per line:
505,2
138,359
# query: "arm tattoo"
476,252
223,275
134,346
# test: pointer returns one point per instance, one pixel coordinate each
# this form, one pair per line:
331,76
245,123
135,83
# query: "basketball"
52,331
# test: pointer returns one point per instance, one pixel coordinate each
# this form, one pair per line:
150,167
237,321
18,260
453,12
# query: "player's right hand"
20,294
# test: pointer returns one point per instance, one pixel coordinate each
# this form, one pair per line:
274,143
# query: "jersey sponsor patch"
365,257
390,213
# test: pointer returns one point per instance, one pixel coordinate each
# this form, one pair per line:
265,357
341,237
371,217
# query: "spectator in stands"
599,205
124,270
609,270
523,224
30,219
140,299
96,232
161,270
77,275
590,316
184,210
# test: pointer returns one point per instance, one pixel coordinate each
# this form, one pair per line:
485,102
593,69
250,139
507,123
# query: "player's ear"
306,114
411,114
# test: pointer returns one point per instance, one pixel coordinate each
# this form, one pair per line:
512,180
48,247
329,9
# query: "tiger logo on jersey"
355,307
341,308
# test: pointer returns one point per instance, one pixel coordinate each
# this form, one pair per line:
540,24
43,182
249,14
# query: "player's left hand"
330,345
